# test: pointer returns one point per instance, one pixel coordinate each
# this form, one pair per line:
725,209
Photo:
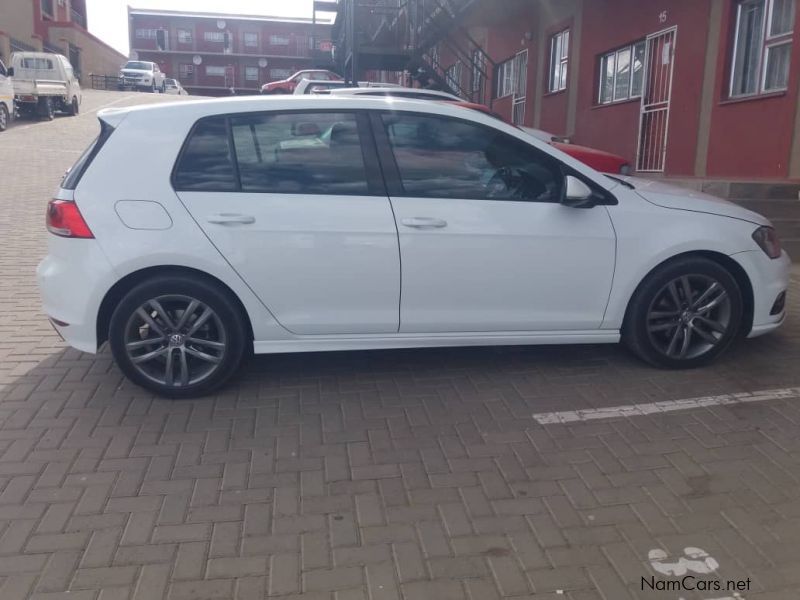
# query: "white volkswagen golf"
321,223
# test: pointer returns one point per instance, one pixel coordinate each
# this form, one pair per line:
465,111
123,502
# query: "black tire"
45,109
4,117
646,334
227,321
74,107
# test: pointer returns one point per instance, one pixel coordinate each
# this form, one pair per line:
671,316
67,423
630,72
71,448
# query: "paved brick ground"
413,475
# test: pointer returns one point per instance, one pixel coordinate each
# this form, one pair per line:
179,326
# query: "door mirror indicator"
577,194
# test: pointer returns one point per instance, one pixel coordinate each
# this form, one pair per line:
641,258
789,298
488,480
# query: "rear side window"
74,175
300,153
206,162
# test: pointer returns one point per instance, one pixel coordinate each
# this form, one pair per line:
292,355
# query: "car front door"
301,214
485,243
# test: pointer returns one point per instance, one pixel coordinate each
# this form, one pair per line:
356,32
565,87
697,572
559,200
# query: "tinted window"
205,164
74,175
448,158
299,153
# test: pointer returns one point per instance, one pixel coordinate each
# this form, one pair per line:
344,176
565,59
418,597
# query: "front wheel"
178,336
685,314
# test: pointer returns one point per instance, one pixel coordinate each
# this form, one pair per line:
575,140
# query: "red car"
286,86
600,160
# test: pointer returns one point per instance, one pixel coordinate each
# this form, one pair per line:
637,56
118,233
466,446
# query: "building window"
505,78
47,8
622,74
452,76
278,40
763,46
184,36
251,40
214,36
185,71
251,73
559,57
212,71
279,73
145,34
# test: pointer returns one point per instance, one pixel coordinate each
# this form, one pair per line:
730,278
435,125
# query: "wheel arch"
726,262
115,294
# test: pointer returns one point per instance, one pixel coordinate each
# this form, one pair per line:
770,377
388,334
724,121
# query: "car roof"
397,91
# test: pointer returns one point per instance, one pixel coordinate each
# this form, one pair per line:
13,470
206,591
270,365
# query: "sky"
108,19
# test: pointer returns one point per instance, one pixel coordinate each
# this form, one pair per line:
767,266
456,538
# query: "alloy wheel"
689,316
175,340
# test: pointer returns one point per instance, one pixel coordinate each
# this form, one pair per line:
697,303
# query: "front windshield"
139,66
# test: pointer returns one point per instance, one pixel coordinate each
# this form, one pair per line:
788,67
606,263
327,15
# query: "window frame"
376,185
187,33
554,87
185,73
145,33
505,78
615,54
251,68
394,182
280,37
768,43
207,74
210,37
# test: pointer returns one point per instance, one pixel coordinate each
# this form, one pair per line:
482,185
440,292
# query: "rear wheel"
685,314
178,336
45,108
3,117
74,107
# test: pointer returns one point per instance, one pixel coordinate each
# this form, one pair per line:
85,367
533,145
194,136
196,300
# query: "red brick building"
211,53
690,88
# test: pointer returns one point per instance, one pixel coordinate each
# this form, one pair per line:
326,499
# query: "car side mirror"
577,194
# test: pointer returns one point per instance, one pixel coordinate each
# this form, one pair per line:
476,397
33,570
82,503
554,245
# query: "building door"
654,122
520,87
230,76
162,39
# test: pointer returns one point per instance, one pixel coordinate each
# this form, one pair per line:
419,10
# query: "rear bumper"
770,278
73,279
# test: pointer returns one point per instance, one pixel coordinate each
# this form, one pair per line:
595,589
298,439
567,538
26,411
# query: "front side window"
206,162
300,153
622,74
763,46
440,157
559,59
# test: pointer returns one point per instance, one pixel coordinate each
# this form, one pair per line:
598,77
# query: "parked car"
363,223
43,84
173,86
398,92
6,98
287,86
313,86
142,75
599,160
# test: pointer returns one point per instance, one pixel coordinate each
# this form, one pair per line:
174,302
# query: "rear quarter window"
206,161
74,175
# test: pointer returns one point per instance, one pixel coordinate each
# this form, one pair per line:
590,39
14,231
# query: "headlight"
767,239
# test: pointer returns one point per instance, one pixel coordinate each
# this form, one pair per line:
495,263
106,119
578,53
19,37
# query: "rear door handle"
231,219
424,223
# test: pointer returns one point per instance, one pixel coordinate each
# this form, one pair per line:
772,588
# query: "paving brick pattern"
410,475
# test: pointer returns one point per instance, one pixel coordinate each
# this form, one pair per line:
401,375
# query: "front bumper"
769,278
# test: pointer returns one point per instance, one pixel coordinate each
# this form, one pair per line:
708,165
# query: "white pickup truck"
43,84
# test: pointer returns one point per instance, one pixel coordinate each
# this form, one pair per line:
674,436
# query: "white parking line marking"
639,410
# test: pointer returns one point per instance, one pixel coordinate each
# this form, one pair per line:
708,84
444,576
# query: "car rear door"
485,243
297,206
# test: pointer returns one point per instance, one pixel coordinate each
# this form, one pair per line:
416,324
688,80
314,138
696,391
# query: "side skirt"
326,343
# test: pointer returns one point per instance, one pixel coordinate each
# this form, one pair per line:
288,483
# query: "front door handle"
424,223
231,219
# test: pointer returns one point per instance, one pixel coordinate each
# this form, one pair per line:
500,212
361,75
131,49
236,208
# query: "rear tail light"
768,241
65,220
